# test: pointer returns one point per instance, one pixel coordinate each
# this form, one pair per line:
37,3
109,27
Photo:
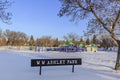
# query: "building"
92,48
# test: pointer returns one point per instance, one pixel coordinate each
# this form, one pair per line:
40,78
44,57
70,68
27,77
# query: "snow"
15,65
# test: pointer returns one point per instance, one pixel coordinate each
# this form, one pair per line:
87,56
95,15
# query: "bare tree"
15,38
106,12
71,36
106,41
7,34
21,39
4,15
0,33
44,41
0,36
3,41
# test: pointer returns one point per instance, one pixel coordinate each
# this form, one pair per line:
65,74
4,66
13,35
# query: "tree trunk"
117,66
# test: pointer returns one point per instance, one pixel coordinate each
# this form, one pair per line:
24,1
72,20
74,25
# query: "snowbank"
15,65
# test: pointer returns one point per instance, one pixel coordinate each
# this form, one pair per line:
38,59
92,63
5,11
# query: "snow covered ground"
15,65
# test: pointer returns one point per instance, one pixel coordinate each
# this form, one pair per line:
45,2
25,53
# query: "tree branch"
115,22
90,9
80,5
104,25
114,37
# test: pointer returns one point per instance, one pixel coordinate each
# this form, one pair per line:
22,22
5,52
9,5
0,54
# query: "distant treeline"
14,38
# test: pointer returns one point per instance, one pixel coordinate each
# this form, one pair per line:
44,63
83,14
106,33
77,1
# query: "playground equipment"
68,48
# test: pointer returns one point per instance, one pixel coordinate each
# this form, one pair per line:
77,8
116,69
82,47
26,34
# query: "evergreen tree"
94,40
87,41
81,40
55,43
31,41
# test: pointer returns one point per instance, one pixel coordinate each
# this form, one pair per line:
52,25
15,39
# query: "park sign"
55,62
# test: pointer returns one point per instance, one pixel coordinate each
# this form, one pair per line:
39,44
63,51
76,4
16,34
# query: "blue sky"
39,18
